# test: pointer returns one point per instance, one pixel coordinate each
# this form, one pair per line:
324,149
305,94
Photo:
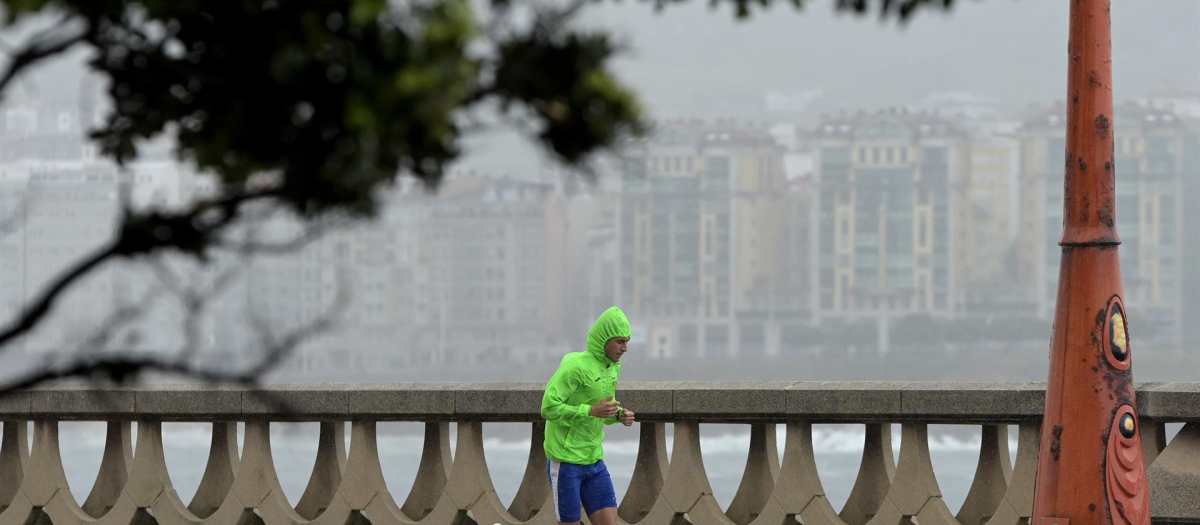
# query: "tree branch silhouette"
126,366
41,46
188,231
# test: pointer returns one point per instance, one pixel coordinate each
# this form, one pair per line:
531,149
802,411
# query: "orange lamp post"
1090,470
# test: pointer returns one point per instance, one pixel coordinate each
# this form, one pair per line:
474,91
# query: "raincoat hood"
583,379
612,323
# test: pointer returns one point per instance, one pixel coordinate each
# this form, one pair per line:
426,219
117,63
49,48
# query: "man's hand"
627,417
605,409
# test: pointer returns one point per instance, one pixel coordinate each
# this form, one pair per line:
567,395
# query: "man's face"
615,348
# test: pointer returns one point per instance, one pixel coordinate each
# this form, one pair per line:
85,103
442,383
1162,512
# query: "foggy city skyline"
754,120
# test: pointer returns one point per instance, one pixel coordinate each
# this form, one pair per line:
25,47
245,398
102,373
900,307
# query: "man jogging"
578,403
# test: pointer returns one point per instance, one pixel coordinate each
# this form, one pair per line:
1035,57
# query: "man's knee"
605,516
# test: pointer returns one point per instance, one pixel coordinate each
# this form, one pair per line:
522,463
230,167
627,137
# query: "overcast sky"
692,61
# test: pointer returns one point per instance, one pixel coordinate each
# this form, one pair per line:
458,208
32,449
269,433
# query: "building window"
935,155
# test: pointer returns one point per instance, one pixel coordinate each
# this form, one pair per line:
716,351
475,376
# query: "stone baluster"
218,471
758,479
114,469
16,464
798,489
45,484
1154,439
256,479
914,492
14,457
875,474
1175,478
991,477
1016,507
432,473
687,491
649,474
327,471
534,491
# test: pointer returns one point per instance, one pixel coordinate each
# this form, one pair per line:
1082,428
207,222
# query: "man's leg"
565,482
605,516
599,498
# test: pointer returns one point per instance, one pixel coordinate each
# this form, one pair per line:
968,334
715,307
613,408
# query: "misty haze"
718,233
820,196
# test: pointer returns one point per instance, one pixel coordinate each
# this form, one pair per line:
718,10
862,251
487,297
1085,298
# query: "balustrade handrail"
654,401
453,484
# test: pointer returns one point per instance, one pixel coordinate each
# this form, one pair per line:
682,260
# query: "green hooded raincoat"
582,380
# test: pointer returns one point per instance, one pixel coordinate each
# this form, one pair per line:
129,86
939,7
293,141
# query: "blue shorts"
571,484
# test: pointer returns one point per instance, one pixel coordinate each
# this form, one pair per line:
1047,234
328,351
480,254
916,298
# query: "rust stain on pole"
1090,470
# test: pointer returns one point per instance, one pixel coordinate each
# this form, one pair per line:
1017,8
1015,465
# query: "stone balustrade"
348,486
